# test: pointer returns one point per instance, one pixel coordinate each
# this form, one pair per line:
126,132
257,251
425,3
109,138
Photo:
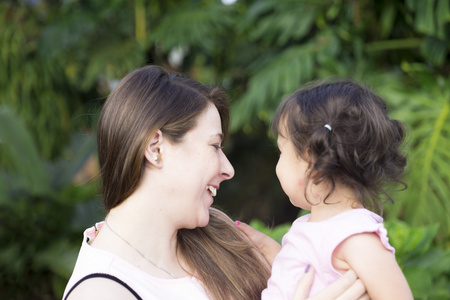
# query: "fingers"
356,291
248,230
268,247
338,288
304,285
348,287
364,297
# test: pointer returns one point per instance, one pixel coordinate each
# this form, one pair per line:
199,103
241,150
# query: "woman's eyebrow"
220,135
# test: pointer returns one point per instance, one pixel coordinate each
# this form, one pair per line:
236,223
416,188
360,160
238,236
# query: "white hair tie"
328,127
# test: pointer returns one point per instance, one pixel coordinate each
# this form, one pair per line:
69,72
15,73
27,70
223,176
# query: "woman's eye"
217,147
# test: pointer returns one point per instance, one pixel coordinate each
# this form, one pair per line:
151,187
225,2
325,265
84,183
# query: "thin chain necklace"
139,252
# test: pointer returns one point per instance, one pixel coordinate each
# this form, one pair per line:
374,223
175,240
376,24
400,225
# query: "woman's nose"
226,169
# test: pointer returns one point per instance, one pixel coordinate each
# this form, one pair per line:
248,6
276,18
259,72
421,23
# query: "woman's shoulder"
100,274
102,287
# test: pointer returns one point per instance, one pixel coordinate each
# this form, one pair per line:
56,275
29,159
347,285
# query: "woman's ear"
153,153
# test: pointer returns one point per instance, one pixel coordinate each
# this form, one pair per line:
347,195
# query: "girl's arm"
348,287
374,265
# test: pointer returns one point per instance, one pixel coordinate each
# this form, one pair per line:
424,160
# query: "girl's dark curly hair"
362,149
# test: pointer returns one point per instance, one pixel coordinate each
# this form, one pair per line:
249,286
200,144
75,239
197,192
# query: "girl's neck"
342,199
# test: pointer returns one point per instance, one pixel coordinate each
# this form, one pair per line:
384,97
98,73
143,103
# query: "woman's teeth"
212,190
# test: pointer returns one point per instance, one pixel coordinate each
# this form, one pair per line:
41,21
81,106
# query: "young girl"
339,151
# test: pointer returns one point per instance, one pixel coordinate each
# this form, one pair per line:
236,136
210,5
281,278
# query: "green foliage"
39,212
29,82
276,232
303,40
189,25
96,42
425,110
431,19
18,146
57,58
294,65
51,66
425,265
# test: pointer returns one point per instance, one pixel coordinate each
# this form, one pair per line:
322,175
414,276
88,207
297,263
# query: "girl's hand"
348,287
268,247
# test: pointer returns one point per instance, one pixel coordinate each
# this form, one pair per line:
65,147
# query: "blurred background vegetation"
60,59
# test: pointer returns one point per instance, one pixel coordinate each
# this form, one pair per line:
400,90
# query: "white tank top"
95,261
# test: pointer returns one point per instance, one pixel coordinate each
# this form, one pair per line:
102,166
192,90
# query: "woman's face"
292,173
198,166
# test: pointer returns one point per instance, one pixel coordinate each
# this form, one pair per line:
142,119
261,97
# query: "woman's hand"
348,287
268,247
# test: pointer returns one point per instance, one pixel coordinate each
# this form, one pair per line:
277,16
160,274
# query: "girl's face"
198,166
292,173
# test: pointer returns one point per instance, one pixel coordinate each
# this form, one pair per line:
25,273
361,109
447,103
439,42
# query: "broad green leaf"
435,50
419,281
272,82
188,26
425,17
60,257
410,241
387,19
427,115
436,261
19,148
442,18
82,147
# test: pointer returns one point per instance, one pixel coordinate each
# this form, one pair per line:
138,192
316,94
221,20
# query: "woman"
160,150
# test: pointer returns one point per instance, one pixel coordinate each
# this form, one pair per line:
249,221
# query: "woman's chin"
203,221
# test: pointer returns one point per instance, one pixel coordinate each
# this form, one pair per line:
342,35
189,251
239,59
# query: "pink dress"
95,261
313,243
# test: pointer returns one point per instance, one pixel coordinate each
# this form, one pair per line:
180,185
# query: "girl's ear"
153,153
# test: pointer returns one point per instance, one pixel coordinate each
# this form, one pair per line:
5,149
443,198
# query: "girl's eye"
217,147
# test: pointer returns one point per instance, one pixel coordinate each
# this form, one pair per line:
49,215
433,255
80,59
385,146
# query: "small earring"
156,158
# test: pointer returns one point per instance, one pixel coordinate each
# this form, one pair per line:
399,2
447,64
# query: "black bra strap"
102,275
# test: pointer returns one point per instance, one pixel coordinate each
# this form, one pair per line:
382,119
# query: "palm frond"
279,77
25,170
191,25
427,114
277,22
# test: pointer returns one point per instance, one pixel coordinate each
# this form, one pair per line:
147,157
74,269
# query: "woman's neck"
140,233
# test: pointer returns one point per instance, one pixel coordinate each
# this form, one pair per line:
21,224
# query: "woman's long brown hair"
224,259
149,99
